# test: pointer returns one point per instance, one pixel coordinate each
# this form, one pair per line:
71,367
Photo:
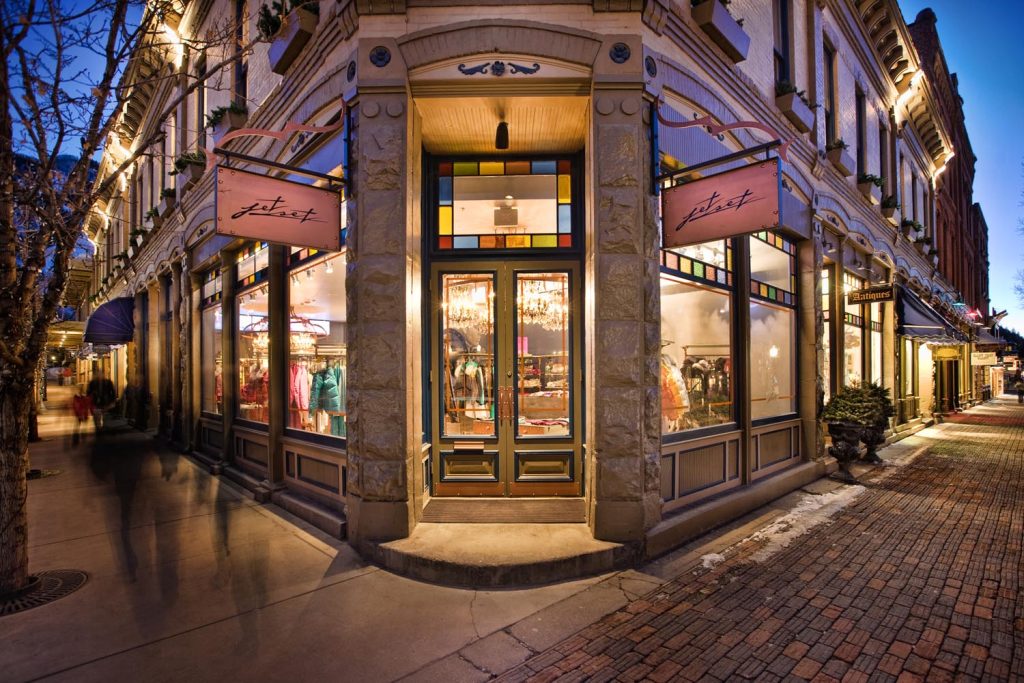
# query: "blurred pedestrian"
1018,384
81,405
103,396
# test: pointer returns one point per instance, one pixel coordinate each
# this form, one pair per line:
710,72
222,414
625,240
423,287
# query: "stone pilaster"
383,389
178,349
623,315
810,354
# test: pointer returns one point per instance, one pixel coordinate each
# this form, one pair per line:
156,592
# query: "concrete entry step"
506,510
481,555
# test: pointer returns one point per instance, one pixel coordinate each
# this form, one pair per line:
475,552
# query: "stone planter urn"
714,19
798,113
296,30
872,437
842,160
844,448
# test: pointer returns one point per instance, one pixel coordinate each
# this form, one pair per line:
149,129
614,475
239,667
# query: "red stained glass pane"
564,166
565,240
444,242
444,169
517,168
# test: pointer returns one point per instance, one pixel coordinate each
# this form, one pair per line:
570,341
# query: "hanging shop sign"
259,207
726,204
984,358
870,295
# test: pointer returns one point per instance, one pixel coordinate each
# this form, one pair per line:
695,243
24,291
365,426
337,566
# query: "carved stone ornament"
651,66
350,73
619,53
498,68
380,56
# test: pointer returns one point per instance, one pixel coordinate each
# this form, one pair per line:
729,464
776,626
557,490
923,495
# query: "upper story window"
862,134
782,41
241,71
883,155
200,124
831,132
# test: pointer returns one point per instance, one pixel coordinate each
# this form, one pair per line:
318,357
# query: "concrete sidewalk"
191,579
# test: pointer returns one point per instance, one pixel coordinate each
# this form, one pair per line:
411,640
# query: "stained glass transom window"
504,205
772,268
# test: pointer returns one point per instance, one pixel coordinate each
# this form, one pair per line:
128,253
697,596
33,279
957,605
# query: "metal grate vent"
46,587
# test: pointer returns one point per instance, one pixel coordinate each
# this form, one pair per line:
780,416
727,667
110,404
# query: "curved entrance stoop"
496,555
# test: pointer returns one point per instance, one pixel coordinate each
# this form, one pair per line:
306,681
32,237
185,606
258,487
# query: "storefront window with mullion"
253,341
210,349
697,294
826,339
875,331
318,343
853,329
772,325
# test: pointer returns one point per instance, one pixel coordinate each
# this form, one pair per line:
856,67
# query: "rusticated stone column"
383,431
623,312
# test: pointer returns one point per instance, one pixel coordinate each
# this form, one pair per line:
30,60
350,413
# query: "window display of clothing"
327,399
298,394
675,399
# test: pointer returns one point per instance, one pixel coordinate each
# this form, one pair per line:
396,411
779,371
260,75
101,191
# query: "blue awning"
112,323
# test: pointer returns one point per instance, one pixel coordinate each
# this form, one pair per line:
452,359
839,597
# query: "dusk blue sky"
982,43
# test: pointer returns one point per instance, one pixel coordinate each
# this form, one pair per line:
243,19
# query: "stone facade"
632,63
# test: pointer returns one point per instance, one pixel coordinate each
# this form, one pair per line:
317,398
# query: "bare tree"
61,93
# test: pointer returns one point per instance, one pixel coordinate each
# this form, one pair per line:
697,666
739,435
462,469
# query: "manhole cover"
46,587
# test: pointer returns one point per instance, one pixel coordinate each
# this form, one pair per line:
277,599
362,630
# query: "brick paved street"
917,578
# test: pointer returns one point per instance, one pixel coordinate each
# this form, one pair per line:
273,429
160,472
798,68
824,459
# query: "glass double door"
506,407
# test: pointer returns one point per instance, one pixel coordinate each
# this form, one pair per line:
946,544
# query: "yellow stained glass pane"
545,241
564,189
492,168
517,241
686,266
444,220
465,168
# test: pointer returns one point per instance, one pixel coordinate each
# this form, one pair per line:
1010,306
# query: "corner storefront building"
503,335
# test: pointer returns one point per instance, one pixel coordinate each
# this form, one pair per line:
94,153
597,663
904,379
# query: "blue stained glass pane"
465,242
544,167
564,218
444,190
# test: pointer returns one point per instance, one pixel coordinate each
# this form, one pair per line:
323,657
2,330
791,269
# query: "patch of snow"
710,560
811,511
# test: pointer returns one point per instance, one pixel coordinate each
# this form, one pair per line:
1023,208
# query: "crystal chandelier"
467,306
543,302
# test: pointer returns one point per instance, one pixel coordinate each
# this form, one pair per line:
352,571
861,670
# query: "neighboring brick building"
960,230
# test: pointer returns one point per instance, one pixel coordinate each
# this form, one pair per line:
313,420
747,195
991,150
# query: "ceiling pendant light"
501,136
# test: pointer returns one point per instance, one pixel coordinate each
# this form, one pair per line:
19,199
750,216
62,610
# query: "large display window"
853,329
875,325
210,349
772,325
317,348
826,335
696,337
253,341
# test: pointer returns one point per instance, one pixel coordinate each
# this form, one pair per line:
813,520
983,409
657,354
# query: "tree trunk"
15,399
